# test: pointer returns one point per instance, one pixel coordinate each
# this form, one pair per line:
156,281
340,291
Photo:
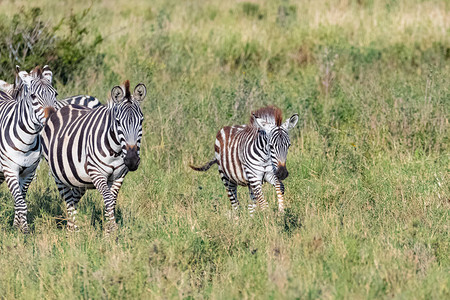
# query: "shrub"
27,40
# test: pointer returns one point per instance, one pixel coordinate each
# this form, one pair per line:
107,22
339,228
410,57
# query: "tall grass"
367,196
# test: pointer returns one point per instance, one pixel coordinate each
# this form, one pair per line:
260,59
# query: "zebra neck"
263,145
112,135
26,117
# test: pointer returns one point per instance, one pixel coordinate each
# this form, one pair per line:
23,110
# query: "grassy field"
368,197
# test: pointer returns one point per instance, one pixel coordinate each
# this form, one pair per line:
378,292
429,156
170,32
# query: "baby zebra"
95,148
250,154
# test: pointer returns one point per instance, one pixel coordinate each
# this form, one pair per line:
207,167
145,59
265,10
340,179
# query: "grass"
368,197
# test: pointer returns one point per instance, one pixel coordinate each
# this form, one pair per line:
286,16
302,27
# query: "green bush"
27,41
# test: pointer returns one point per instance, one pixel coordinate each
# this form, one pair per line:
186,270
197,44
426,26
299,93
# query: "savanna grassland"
368,198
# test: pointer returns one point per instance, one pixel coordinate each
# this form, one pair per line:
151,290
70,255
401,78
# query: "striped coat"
249,155
81,100
95,148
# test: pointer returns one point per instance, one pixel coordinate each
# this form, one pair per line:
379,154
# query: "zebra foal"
95,148
22,117
248,155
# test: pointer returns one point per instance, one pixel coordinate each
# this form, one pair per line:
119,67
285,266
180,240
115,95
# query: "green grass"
367,198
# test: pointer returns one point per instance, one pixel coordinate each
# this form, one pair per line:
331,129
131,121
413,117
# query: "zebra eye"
33,96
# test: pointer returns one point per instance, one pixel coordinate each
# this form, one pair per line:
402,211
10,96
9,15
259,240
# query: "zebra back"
5,96
82,100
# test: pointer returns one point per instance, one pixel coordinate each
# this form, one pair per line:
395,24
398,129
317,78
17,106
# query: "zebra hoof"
72,228
112,227
24,229
21,226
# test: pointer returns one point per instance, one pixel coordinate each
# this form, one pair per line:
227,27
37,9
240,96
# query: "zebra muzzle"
282,173
132,158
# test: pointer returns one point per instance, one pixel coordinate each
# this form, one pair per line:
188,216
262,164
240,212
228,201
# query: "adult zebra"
22,117
250,154
88,149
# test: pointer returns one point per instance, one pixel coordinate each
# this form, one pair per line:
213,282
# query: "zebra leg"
25,180
231,190
279,187
257,191
77,193
2,177
101,185
67,194
20,207
252,205
71,196
115,187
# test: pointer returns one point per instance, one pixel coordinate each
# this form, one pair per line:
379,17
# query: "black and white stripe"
95,148
250,154
22,116
81,100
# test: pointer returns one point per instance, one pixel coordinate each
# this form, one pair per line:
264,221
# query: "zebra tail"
205,167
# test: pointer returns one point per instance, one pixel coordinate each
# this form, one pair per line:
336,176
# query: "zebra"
22,117
248,155
95,148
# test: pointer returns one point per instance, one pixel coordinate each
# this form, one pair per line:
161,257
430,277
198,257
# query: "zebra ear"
291,122
47,73
22,76
117,94
262,124
140,91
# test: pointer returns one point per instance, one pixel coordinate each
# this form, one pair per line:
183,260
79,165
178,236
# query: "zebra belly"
80,178
24,160
73,175
232,172
239,180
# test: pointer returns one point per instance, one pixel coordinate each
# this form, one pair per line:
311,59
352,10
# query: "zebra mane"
36,72
127,90
269,113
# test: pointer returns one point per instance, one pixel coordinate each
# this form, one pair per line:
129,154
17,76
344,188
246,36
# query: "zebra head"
128,120
42,93
36,86
278,142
